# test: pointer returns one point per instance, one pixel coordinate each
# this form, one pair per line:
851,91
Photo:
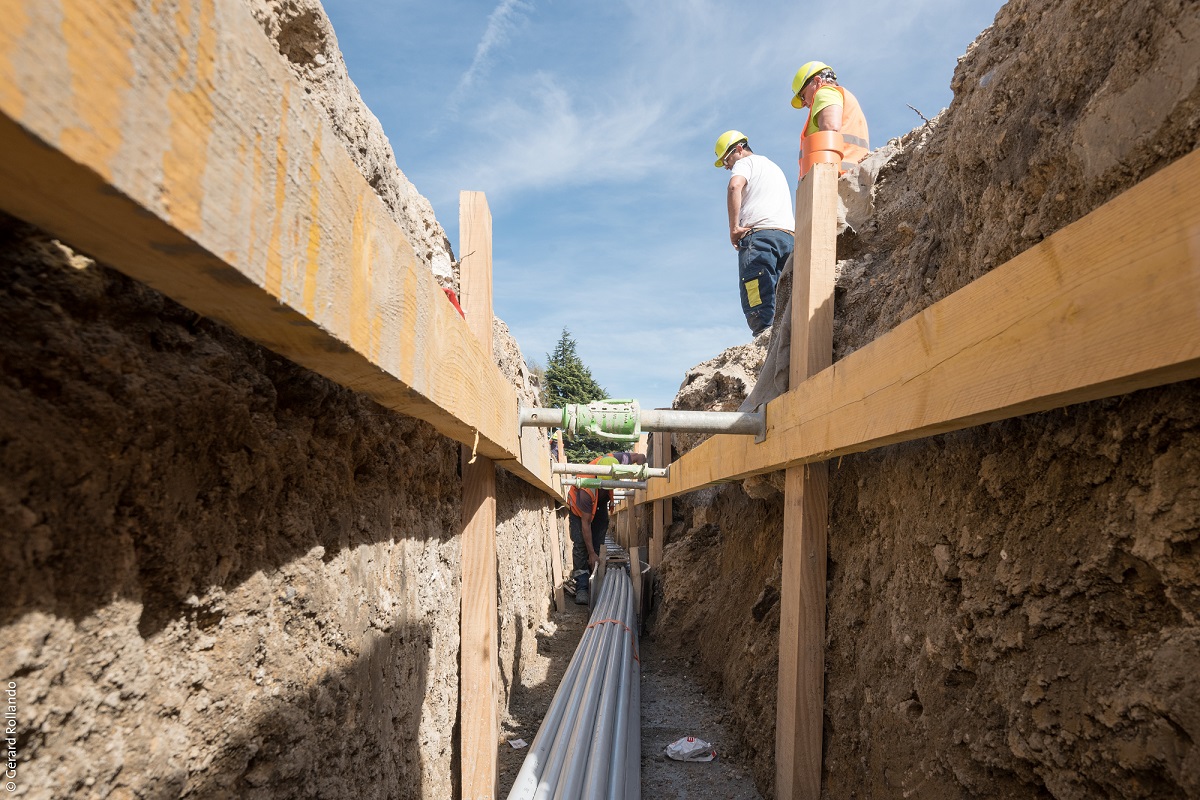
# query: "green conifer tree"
568,380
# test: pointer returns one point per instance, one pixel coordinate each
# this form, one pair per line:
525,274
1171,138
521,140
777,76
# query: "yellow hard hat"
725,141
805,72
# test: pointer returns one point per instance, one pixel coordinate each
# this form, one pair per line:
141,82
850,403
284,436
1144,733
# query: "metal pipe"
604,483
542,418
607,469
704,421
738,422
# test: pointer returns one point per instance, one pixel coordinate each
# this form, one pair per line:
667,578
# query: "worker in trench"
588,523
832,107
759,204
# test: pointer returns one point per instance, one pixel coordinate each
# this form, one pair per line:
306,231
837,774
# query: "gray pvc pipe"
595,780
535,762
571,782
535,770
589,744
550,778
633,770
617,765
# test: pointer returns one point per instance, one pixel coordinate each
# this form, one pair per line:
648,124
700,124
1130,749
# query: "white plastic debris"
517,744
689,748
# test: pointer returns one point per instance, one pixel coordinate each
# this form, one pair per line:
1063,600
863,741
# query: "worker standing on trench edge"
759,203
832,107
588,523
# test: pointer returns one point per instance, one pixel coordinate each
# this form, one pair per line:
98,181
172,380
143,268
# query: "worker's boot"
582,597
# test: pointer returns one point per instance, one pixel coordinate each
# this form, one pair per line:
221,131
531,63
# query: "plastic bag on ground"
689,748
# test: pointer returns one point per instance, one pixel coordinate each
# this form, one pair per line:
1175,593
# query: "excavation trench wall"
1012,609
226,576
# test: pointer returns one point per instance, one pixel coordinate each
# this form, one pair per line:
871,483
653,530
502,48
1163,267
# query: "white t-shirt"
766,198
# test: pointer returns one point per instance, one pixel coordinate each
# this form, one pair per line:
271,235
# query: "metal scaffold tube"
624,420
637,472
603,483
588,745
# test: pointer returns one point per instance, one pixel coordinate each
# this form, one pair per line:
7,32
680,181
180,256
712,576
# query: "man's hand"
736,233
592,558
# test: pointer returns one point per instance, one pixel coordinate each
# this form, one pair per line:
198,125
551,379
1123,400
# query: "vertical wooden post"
658,517
556,563
478,713
800,710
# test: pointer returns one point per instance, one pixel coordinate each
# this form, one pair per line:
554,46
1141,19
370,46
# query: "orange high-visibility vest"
854,132
573,496
573,500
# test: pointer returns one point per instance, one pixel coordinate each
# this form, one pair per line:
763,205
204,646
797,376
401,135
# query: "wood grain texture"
661,441
1108,305
171,142
479,712
800,705
479,722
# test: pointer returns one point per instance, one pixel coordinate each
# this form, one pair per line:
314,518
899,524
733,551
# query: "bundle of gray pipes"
589,744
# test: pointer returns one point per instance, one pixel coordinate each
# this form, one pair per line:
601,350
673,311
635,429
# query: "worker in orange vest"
830,108
588,523
834,108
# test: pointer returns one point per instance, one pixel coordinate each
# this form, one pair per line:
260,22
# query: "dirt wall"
1012,609
225,575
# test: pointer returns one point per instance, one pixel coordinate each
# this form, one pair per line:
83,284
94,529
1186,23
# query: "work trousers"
579,554
761,256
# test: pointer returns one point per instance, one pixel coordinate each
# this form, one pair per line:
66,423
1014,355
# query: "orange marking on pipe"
190,107
101,72
273,280
12,35
312,264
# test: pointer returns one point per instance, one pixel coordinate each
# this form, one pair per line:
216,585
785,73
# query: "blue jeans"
579,554
761,256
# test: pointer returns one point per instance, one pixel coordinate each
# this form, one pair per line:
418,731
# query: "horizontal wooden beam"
171,142
1106,306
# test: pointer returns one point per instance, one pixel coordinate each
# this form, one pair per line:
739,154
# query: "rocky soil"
1012,609
225,575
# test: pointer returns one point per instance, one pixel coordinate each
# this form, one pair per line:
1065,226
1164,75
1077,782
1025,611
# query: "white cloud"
501,22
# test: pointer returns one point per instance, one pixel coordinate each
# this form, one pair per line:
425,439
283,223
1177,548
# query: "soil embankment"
1012,609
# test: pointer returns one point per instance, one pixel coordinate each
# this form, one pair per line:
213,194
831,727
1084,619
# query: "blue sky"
591,125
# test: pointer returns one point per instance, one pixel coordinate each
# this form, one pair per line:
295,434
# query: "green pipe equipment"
624,420
627,472
602,483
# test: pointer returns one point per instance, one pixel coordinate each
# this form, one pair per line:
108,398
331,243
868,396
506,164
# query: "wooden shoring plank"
635,574
556,559
556,556
173,144
1105,306
479,719
800,705
661,441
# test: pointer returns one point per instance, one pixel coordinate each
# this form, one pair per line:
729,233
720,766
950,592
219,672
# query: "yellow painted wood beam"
169,141
1106,306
